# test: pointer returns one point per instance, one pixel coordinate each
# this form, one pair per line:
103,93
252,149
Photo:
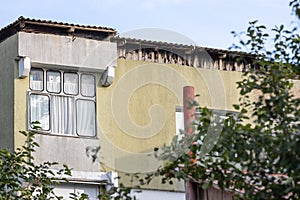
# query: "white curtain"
63,112
36,85
86,118
53,87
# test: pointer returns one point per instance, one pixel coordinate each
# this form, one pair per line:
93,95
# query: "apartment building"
104,102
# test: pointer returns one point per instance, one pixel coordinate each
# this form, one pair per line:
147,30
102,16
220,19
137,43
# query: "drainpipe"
189,116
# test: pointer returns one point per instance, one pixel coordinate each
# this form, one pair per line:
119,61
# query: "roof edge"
156,44
53,27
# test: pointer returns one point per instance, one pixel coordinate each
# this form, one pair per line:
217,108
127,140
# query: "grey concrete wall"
8,66
67,51
67,150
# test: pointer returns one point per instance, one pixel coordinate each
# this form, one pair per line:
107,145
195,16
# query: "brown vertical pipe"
189,116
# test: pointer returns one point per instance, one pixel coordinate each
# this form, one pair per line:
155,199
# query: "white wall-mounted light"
24,67
108,76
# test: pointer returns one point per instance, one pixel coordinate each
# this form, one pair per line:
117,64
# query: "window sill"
64,135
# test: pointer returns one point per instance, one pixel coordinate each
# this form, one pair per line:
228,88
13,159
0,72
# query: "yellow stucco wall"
137,112
20,107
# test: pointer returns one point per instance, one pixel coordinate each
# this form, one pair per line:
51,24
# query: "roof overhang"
58,28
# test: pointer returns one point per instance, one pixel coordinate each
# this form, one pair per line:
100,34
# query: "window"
65,189
53,81
87,85
71,83
63,102
217,119
85,115
179,117
40,110
209,139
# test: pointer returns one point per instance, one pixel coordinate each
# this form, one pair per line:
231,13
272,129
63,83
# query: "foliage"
295,5
117,193
82,196
255,154
22,179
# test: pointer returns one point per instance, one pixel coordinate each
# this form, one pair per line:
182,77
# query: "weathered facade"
91,89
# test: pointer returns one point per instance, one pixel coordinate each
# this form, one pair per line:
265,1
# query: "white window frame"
62,93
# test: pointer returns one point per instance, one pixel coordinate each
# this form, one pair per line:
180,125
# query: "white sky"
206,22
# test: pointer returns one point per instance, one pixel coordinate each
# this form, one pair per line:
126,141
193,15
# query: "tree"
295,5
22,179
256,154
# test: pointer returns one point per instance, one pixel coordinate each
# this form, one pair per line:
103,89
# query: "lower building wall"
65,189
158,195
71,151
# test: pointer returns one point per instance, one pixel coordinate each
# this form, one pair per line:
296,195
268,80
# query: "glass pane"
87,85
85,115
53,81
70,83
39,110
36,79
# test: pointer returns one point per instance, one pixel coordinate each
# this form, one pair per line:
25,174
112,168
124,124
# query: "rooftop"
52,27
